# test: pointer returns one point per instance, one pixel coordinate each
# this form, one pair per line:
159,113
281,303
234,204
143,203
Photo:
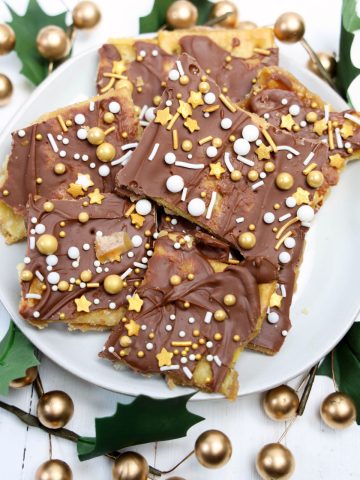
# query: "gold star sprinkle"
163,116
263,152
84,180
137,220
132,328
347,130
135,303
164,358
319,127
75,190
336,161
184,109
195,99
118,67
82,304
191,125
301,196
287,122
275,300
96,197
216,169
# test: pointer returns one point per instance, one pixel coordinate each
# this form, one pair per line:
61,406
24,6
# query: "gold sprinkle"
277,206
115,75
191,276
233,261
331,135
62,316
282,239
309,168
151,335
5,193
205,140
218,336
196,333
236,338
93,285
83,217
211,108
173,120
38,136
140,354
62,224
108,86
39,180
284,227
62,123
124,135
181,344
175,139
262,51
225,89
202,341
186,305
227,103
129,211
109,130
269,139
252,227
198,356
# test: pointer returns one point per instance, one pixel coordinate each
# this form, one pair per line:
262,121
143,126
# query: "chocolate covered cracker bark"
84,258
192,316
67,154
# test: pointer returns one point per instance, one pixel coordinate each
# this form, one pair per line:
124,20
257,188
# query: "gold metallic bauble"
284,181
235,175
289,27
338,410
86,276
156,100
275,462
26,276
130,466
281,403
220,315
175,280
109,117
30,375
186,145
55,409
204,87
47,244
213,449
113,284
247,240
315,178
229,299
253,175
269,167
63,286
221,8
83,217
7,39
246,25
95,136
59,168
6,89
48,206
311,117
106,152
86,15
54,470
327,60
182,14
52,43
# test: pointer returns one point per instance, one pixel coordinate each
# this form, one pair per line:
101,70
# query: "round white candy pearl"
149,114
73,253
104,171
284,257
174,75
290,242
269,217
81,134
175,183
53,278
241,146
143,207
294,110
250,133
114,107
284,101
196,207
79,119
40,229
305,213
211,151
136,240
52,260
210,98
290,202
226,123
273,317
170,158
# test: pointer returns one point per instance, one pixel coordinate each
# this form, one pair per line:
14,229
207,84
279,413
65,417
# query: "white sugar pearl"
76,156
284,333
40,229
170,158
209,344
269,217
250,133
149,114
172,317
289,156
196,207
273,317
142,53
53,278
155,53
112,305
211,151
191,320
21,133
241,146
294,110
36,314
96,301
303,123
130,254
104,171
73,253
92,165
266,116
79,119
209,358
65,141
284,257
143,207
82,135
149,346
226,123
136,240
27,260
290,202
290,242
168,328
262,175
114,107
174,75
62,153
192,357
305,213
284,101
86,246
210,98
182,334
174,221
177,246
175,183
59,137
33,220
168,103
85,158
52,260
183,360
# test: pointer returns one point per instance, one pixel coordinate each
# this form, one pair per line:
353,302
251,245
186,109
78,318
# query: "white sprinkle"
266,116
114,107
211,151
284,217
180,67
183,194
217,361
142,112
308,158
53,278
177,245
150,114
170,367
289,149
339,140
136,241
52,260
127,146
72,280
155,53
294,110
65,141
250,133
347,145
75,264
21,133
142,53
228,162
79,119
284,257
140,265
174,221
258,184
98,270
39,275
194,166
327,113
239,219
290,202
187,372
27,260
111,349
96,301
191,320
76,156
32,243
246,161
209,358
168,328
92,106
126,273
303,123
35,296
284,333
175,183
174,75
289,156
104,171
130,254
143,327
192,357
143,207
32,231
122,160
149,346
208,317
182,334
73,253
168,103
149,253
36,314
283,290
210,98
226,123
81,134
112,305
54,288
196,207
284,101
85,158
172,317
82,285
33,220
209,344
59,137
211,206
52,142
154,151
62,153
273,317
262,175
92,165
241,146
269,217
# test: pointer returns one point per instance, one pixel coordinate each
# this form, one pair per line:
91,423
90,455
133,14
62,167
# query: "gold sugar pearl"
253,175
184,353
47,244
139,89
26,276
38,136
176,351
137,270
225,89
217,142
247,240
175,280
43,287
62,234
284,181
113,284
62,224
311,117
252,227
335,123
125,341
198,356
163,84
59,168
220,315
275,229
232,138
229,299
269,167
194,346
167,219
48,206
203,194
186,305
125,283
62,316
136,283
83,217
186,145
85,204
124,135
208,70
147,233
106,152
179,95
39,180
151,335
147,246
78,281
182,241
350,150
228,58
156,100
140,354
203,78
202,341
139,58
68,123
124,319
314,105
296,128
235,175
95,136
63,286
191,276
184,80
122,353
86,275
196,333
5,193
236,338
217,337
204,87
276,206
315,179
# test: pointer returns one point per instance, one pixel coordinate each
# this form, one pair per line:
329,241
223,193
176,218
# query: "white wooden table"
320,452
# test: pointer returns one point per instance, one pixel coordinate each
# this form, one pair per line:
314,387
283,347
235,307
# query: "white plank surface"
320,453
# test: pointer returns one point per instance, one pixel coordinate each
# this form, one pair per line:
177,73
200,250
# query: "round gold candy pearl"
7,39
59,168
247,240
83,217
96,135
204,87
86,15
124,84
284,181
48,206
130,466
30,375
338,410
52,43
269,167
221,8
113,284
175,280
186,145
106,152
220,315
156,100
281,403
235,175
54,470
229,300
311,117
274,461
63,286
182,14
26,276
216,142
86,275
253,175
47,244
213,449
125,341
6,89
55,409
315,178
109,117
289,27
184,80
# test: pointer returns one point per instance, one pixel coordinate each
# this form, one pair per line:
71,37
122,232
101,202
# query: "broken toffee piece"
84,257
192,316
67,154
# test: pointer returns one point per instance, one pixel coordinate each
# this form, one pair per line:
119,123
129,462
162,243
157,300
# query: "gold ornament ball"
30,375
55,409
54,470
327,60
6,89
246,25
281,403
59,168
235,175
113,284
83,217
221,8
86,15
284,181
182,14
106,152
213,449
275,462
229,299
338,411
7,39
86,276
52,43
95,136
47,244
175,280
247,240
220,315
315,179
289,27
130,466
311,117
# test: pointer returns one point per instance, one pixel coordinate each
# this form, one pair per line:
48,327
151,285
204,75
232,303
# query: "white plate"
325,305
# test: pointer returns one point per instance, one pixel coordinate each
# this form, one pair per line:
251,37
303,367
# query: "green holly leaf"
346,363
350,18
26,28
157,17
142,421
16,356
